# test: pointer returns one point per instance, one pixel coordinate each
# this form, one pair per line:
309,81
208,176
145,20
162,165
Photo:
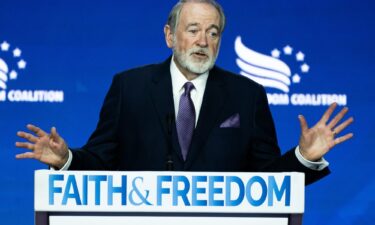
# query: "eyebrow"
192,24
210,27
214,26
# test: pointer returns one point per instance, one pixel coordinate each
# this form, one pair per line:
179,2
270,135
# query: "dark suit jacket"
132,133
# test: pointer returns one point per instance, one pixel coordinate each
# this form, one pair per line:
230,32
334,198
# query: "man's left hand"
316,141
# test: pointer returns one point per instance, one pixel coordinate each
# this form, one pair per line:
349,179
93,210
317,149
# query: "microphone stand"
170,122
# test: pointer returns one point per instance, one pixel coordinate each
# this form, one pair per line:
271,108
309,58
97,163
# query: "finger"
303,123
36,130
343,125
341,139
54,135
328,113
26,145
27,136
338,117
26,155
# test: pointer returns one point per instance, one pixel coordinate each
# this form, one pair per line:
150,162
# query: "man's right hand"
50,149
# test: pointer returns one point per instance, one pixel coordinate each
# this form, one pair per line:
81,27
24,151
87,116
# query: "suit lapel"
212,105
162,96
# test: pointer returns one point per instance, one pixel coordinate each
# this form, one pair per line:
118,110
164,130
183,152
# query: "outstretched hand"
316,141
50,149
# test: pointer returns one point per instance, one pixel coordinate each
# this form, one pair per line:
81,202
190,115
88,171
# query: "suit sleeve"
266,153
100,151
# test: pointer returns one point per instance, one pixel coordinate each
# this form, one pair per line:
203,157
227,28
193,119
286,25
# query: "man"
186,114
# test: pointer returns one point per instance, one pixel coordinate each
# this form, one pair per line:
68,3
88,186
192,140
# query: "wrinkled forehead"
201,14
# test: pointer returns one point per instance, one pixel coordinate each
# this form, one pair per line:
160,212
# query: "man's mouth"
201,55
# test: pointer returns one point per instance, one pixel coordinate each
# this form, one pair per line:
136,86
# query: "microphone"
170,122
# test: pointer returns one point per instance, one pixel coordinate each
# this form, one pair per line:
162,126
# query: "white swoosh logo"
3,79
3,74
263,69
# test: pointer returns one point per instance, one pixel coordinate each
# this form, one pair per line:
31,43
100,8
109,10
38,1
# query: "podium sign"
107,197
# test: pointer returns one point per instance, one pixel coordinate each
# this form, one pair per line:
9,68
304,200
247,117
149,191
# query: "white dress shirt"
196,94
178,81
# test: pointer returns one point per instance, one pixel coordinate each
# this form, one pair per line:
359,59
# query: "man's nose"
202,41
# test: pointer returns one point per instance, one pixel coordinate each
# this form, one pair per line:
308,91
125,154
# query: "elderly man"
186,114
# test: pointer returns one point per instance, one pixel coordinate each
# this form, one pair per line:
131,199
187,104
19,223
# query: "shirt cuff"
67,164
318,165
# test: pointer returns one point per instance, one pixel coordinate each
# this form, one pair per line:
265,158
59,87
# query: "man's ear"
168,36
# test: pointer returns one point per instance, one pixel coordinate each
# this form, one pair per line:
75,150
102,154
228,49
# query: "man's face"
196,39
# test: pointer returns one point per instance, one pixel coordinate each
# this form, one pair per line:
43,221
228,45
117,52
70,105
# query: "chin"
198,69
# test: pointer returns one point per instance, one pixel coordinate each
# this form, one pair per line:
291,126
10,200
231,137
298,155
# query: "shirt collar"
178,79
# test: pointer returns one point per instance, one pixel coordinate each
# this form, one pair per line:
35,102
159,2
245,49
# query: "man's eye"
213,34
193,31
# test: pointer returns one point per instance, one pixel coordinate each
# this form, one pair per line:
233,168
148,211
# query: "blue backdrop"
57,59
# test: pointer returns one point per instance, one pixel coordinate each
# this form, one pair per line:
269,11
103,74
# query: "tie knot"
188,87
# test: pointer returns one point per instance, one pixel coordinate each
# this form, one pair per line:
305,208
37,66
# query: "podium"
168,198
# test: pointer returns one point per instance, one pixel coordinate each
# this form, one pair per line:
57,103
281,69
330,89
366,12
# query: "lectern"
168,198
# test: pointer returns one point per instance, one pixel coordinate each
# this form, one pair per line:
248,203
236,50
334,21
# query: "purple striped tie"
185,119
